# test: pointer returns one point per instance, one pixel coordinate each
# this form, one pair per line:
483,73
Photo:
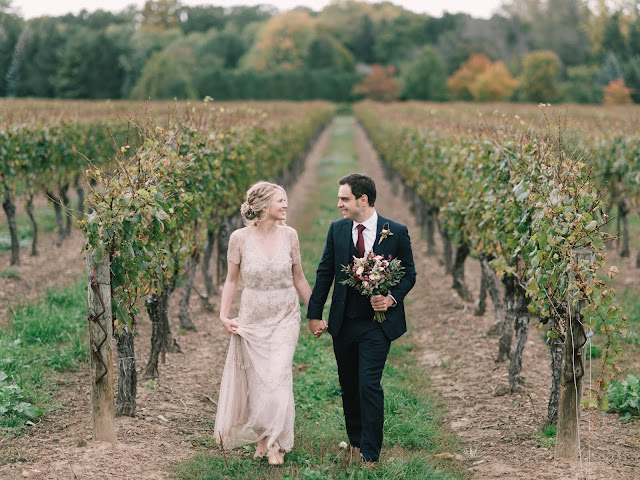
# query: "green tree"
394,43
499,38
435,27
325,52
101,19
201,18
11,26
98,20
35,61
241,17
89,66
180,70
425,78
364,40
358,25
634,38
610,69
141,45
613,40
560,26
540,71
582,85
563,31
631,71
168,74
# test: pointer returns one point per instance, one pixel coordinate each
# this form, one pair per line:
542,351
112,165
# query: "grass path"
412,432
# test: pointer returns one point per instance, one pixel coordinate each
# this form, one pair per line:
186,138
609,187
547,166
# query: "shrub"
617,93
12,401
624,397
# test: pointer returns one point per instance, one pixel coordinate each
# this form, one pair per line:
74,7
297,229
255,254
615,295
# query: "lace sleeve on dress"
233,250
295,248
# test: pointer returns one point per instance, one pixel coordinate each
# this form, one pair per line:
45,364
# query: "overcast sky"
36,8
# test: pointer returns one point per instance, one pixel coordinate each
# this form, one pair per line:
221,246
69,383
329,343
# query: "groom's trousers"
361,350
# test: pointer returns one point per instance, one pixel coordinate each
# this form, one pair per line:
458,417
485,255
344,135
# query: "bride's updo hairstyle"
259,197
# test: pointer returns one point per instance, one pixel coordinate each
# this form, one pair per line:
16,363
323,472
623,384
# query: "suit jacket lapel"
348,240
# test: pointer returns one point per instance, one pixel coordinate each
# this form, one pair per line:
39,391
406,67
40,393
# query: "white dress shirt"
369,232
369,235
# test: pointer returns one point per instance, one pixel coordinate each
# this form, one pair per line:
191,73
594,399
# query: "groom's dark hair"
360,185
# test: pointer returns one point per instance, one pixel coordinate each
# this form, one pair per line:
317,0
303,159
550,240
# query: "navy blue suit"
361,344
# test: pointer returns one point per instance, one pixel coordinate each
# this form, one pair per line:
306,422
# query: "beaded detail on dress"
256,392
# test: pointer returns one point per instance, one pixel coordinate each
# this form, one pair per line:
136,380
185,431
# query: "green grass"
593,351
11,274
630,303
634,233
413,431
546,437
41,340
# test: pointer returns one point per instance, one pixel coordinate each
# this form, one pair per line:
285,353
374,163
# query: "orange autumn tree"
617,93
494,84
460,82
379,85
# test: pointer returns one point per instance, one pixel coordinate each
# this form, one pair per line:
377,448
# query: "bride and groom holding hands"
256,402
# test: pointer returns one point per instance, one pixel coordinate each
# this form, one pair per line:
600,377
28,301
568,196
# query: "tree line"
551,51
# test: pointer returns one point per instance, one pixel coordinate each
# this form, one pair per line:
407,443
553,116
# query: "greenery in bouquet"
373,275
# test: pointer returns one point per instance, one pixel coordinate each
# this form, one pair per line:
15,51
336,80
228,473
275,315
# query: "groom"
360,343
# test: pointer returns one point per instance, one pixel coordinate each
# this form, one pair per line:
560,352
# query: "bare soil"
53,267
499,434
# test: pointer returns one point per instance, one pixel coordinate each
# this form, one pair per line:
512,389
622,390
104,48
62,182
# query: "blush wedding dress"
256,392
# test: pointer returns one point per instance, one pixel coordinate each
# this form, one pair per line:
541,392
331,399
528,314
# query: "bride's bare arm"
301,284
228,292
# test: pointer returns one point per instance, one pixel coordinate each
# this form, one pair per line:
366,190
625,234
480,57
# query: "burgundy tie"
360,242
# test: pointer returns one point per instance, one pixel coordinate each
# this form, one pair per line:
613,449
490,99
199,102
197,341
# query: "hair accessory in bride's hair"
248,211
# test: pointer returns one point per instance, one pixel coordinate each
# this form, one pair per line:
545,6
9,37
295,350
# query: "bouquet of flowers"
373,275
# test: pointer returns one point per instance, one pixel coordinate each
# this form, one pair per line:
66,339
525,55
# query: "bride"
256,393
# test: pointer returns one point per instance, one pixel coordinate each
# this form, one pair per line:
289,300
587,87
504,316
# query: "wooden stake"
100,334
567,438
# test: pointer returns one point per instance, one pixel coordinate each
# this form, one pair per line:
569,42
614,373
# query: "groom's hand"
317,327
381,303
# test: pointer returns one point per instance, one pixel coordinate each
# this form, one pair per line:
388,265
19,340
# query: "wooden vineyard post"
567,438
100,334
